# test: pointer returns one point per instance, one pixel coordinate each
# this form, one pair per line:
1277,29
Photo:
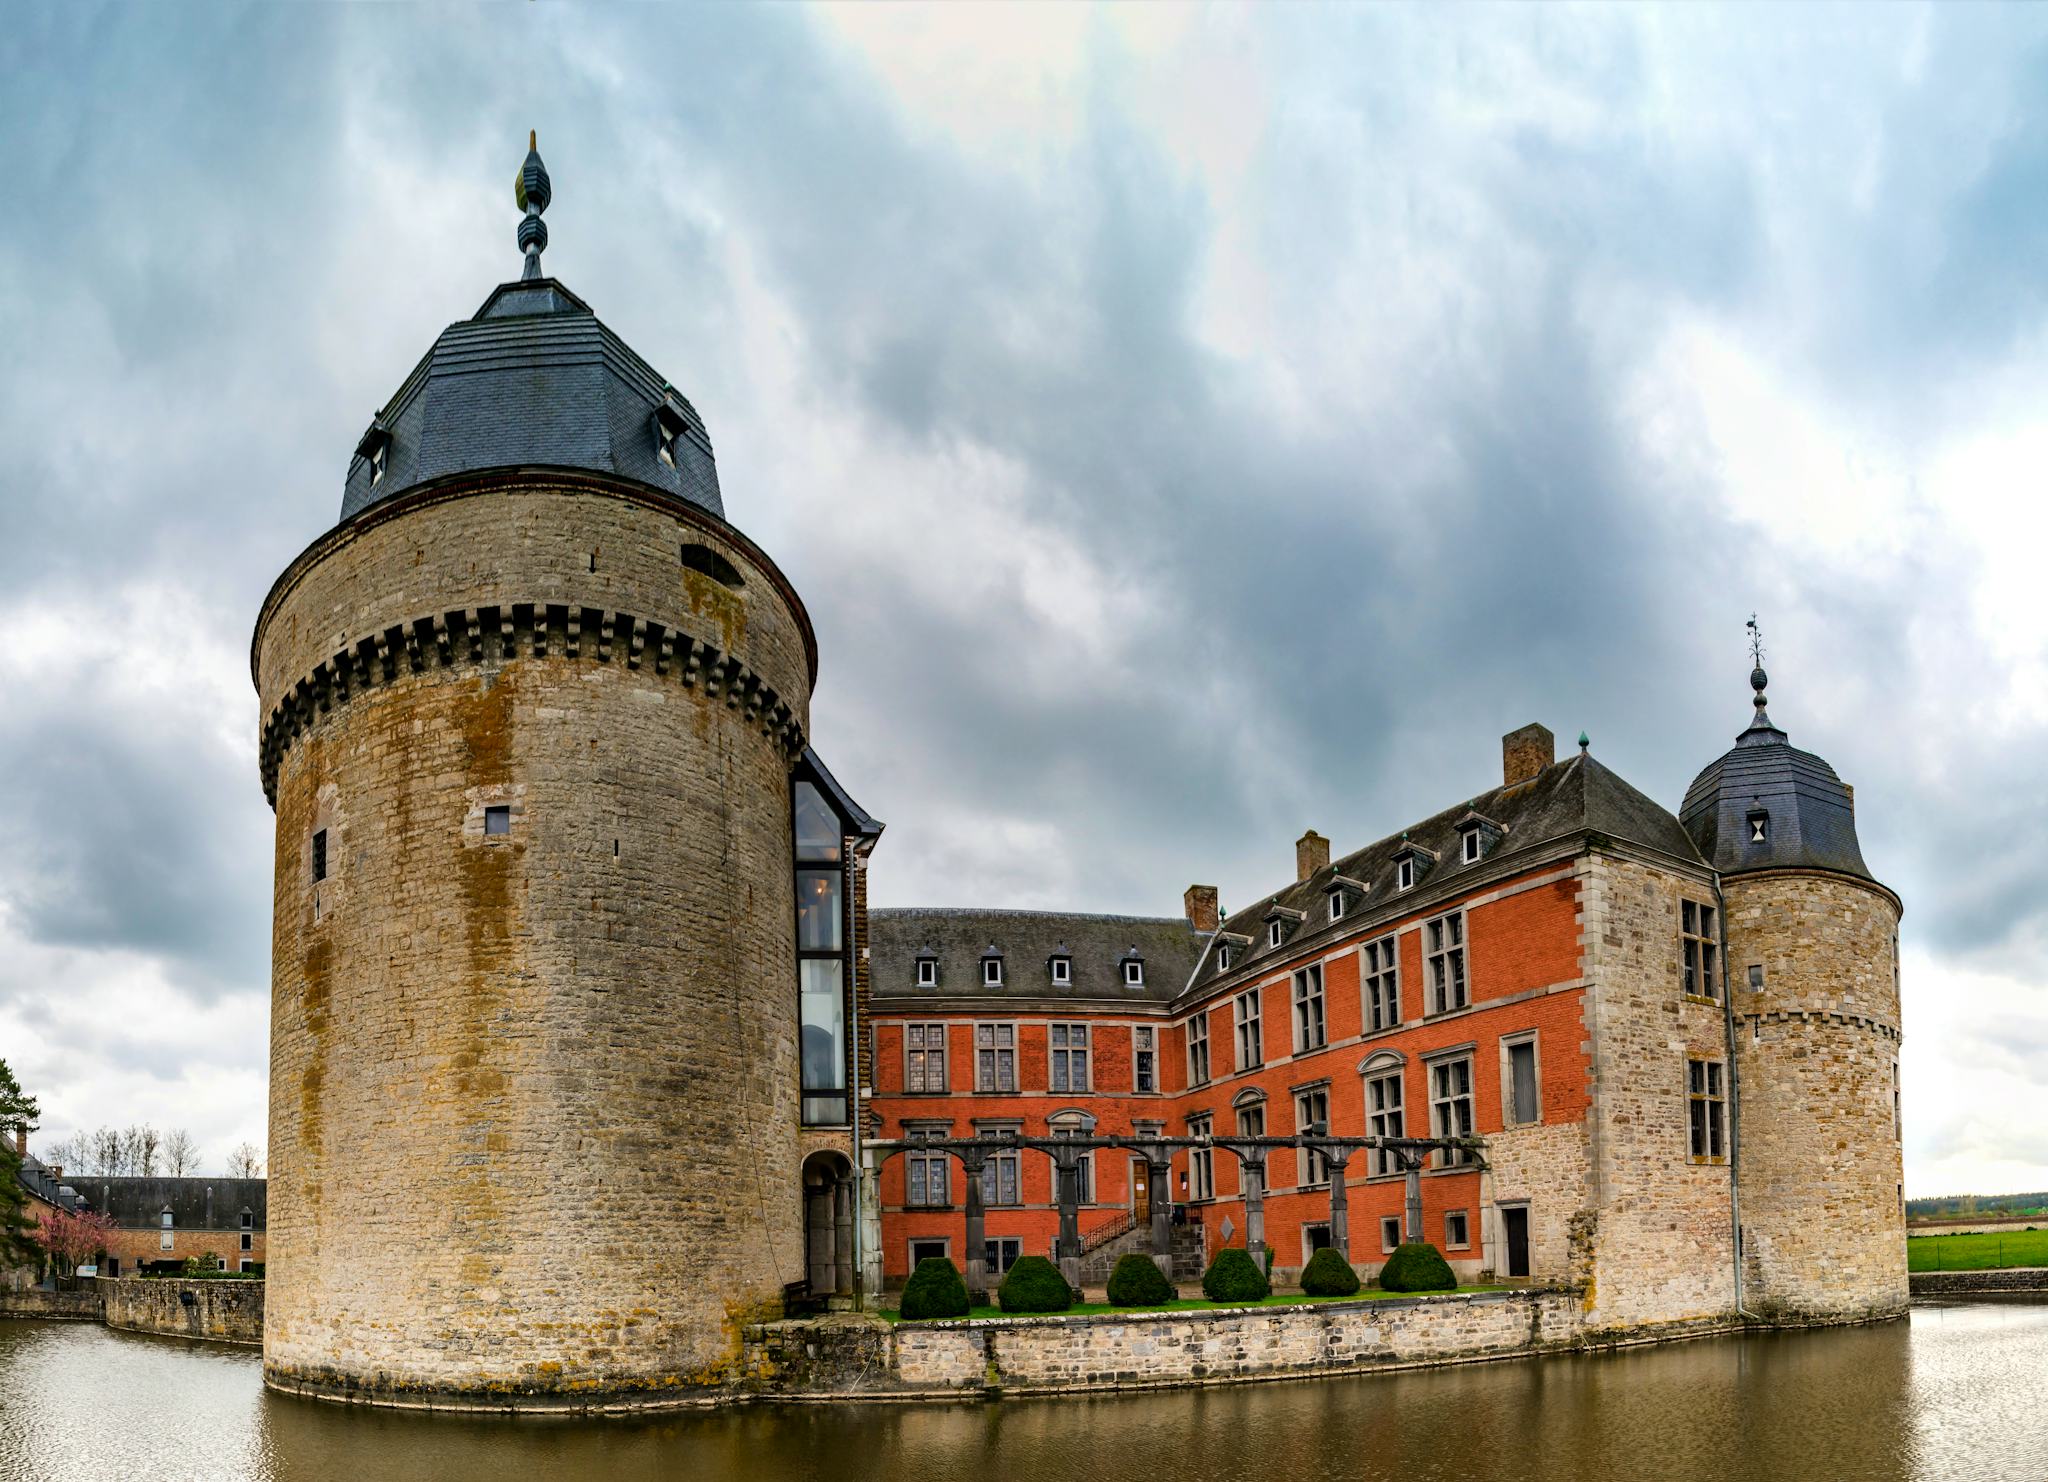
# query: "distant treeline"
1988,1204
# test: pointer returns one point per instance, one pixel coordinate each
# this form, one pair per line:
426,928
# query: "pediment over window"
1381,1060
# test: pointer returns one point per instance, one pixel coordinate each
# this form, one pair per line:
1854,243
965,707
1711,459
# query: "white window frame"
1471,849
1446,1095
1276,932
1201,1161
1510,1109
1222,957
1134,973
1062,971
1337,905
1311,1016
1197,1034
1390,1117
920,1163
1074,1054
1001,1040
1447,965
1404,872
925,1053
927,972
1144,1056
1379,966
991,972
1251,1029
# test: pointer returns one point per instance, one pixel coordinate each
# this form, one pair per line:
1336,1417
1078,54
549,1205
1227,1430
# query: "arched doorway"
828,1224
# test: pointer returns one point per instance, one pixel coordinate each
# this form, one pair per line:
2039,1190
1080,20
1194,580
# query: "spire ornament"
532,192
1761,722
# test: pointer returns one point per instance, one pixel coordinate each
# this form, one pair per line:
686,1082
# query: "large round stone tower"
530,714
1812,960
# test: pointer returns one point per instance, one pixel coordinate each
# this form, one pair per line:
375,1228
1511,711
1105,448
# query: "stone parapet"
220,1311
82,1306
1960,1283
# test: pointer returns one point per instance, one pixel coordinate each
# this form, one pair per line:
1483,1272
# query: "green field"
1196,1304
2016,1247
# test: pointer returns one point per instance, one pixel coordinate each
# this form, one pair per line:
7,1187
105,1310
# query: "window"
821,956
1336,905
1450,1107
319,855
1134,972
497,820
247,1265
1084,1166
924,1051
1201,1162
1144,1058
992,971
1404,872
1198,1049
248,1219
1897,1124
1696,945
1444,938
165,1239
999,1178
1382,983
1457,1230
927,1175
1223,958
665,450
1756,977
248,1241
995,1057
1251,1120
1704,1097
1523,1104
1390,1232
1062,971
927,1250
1473,842
1309,1029
1250,1052
1383,1116
1276,932
927,972
1313,1239
1070,1057
380,455
1759,826
1001,1253
1312,1110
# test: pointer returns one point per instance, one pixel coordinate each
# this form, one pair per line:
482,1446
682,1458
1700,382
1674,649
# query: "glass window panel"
823,1008
817,910
817,826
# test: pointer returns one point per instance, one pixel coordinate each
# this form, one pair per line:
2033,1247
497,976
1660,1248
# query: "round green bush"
1328,1274
935,1290
1137,1281
1417,1267
1035,1285
1235,1277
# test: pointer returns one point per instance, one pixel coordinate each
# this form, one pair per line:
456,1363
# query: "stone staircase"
1102,1246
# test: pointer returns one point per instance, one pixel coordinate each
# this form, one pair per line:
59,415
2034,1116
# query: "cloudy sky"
1186,426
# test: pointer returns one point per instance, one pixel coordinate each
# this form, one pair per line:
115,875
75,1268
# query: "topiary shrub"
1328,1274
1035,1285
934,1290
1417,1267
1137,1281
1235,1277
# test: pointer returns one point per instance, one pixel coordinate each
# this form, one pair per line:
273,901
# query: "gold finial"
533,138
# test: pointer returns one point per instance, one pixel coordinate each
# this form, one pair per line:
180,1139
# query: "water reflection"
1954,1393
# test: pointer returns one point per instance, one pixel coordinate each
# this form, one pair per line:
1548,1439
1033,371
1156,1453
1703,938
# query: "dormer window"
1472,846
1404,872
1062,970
1336,905
1276,932
668,426
1759,826
1134,972
1222,959
992,968
927,971
1411,863
374,448
379,456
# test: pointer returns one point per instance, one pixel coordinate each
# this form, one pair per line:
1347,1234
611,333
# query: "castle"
586,1050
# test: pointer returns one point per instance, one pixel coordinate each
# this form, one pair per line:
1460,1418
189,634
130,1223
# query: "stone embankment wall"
849,1356
1957,1283
57,1306
223,1311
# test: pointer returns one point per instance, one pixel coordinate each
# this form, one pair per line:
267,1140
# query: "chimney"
1311,853
21,1140
1200,904
1526,752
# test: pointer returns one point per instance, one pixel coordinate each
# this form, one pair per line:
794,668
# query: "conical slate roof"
533,380
1766,786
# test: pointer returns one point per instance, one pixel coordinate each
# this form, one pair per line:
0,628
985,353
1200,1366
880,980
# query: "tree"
74,1237
139,1148
246,1161
181,1153
71,1153
106,1160
18,1115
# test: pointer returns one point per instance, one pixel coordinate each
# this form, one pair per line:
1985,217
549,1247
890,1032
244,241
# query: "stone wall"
1822,1210
223,1311
1957,1283
56,1306
533,1096
1657,1238
852,1356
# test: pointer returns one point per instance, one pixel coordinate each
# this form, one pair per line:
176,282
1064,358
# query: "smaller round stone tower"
1812,957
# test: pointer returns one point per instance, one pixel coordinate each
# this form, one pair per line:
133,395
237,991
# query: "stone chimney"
21,1141
1311,853
1200,904
1526,752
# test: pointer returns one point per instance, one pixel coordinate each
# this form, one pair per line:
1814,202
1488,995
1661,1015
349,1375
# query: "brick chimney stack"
21,1141
1200,904
1525,753
1311,853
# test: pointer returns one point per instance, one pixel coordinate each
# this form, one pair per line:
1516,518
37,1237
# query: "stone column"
1252,1173
870,1216
1413,1164
1160,1172
842,1235
1067,1179
976,1264
1340,1203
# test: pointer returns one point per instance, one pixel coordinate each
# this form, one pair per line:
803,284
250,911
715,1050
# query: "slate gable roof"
533,380
1568,799
195,1203
1028,940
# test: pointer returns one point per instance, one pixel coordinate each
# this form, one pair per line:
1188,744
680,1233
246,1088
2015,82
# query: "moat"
1952,1392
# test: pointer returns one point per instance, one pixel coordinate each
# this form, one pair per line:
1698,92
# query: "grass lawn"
1193,1304
2021,1247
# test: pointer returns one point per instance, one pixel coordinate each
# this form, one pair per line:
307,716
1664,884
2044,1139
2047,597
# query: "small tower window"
665,443
379,455
497,819
319,855
1759,826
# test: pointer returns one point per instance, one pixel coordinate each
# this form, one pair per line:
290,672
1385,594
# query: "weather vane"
1756,643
